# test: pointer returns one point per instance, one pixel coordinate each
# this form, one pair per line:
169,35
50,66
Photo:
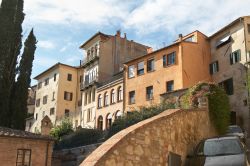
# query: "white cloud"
178,15
46,44
44,61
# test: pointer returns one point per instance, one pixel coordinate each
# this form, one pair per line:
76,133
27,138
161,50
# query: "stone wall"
150,141
41,150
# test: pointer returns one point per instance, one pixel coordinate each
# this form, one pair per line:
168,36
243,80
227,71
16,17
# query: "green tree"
20,90
11,18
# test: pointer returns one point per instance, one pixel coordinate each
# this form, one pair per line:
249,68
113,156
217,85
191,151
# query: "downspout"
47,153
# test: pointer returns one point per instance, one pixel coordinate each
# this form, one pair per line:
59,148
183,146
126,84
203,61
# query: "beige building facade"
109,99
230,48
105,55
57,95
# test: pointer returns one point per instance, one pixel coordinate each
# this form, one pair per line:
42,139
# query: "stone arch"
46,125
118,114
108,120
100,123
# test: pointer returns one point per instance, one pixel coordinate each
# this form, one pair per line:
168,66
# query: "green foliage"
134,117
19,96
80,137
65,128
218,102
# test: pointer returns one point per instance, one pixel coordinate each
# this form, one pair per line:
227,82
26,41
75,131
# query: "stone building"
57,95
31,107
177,66
24,148
230,53
105,57
109,102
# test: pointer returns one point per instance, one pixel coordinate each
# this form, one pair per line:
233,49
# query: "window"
89,97
112,96
53,96
36,116
89,115
149,93
190,39
46,82
171,59
170,86
228,86
66,112
164,60
214,67
106,96
150,65
68,96
223,41
45,99
69,78
131,71
52,111
23,157
93,95
235,57
140,68
131,97
55,77
39,85
37,102
99,101
119,94
85,98
248,28
81,79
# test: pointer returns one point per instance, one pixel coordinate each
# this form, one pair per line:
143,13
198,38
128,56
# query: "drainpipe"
47,153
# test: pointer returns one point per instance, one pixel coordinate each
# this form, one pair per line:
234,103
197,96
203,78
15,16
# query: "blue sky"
61,26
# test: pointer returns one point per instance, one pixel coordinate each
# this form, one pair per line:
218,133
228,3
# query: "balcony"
86,84
89,60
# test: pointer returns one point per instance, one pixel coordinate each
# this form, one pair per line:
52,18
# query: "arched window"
106,96
119,94
118,114
112,96
93,94
99,101
92,52
96,50
88,55
100,123
108,121
89,97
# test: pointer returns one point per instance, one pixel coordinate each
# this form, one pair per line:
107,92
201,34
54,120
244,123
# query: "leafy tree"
11,18
65,128
20,90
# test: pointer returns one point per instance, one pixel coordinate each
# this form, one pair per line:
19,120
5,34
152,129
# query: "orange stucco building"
179,65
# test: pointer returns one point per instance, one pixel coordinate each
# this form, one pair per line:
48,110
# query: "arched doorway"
108,121
100,123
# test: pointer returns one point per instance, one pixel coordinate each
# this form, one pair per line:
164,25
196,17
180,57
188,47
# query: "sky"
61,26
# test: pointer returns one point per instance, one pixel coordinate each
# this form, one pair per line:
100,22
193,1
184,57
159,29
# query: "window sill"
166,66
131,77
150,71
140,74
119,101
113,103
99,107
131,103
105,105
150,99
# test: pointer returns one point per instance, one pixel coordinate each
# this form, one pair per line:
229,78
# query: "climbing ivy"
218,103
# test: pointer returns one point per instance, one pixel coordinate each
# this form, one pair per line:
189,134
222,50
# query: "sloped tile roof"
7,132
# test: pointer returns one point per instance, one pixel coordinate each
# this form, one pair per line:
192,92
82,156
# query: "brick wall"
150,141
9,146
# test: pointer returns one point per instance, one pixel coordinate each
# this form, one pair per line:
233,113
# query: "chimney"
125,35
118,33
180,37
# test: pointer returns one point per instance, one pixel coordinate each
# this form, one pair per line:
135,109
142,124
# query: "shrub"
65,128
80,137
218,102
134,117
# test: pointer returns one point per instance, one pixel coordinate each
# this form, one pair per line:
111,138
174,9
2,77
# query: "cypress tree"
20,93
11,18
